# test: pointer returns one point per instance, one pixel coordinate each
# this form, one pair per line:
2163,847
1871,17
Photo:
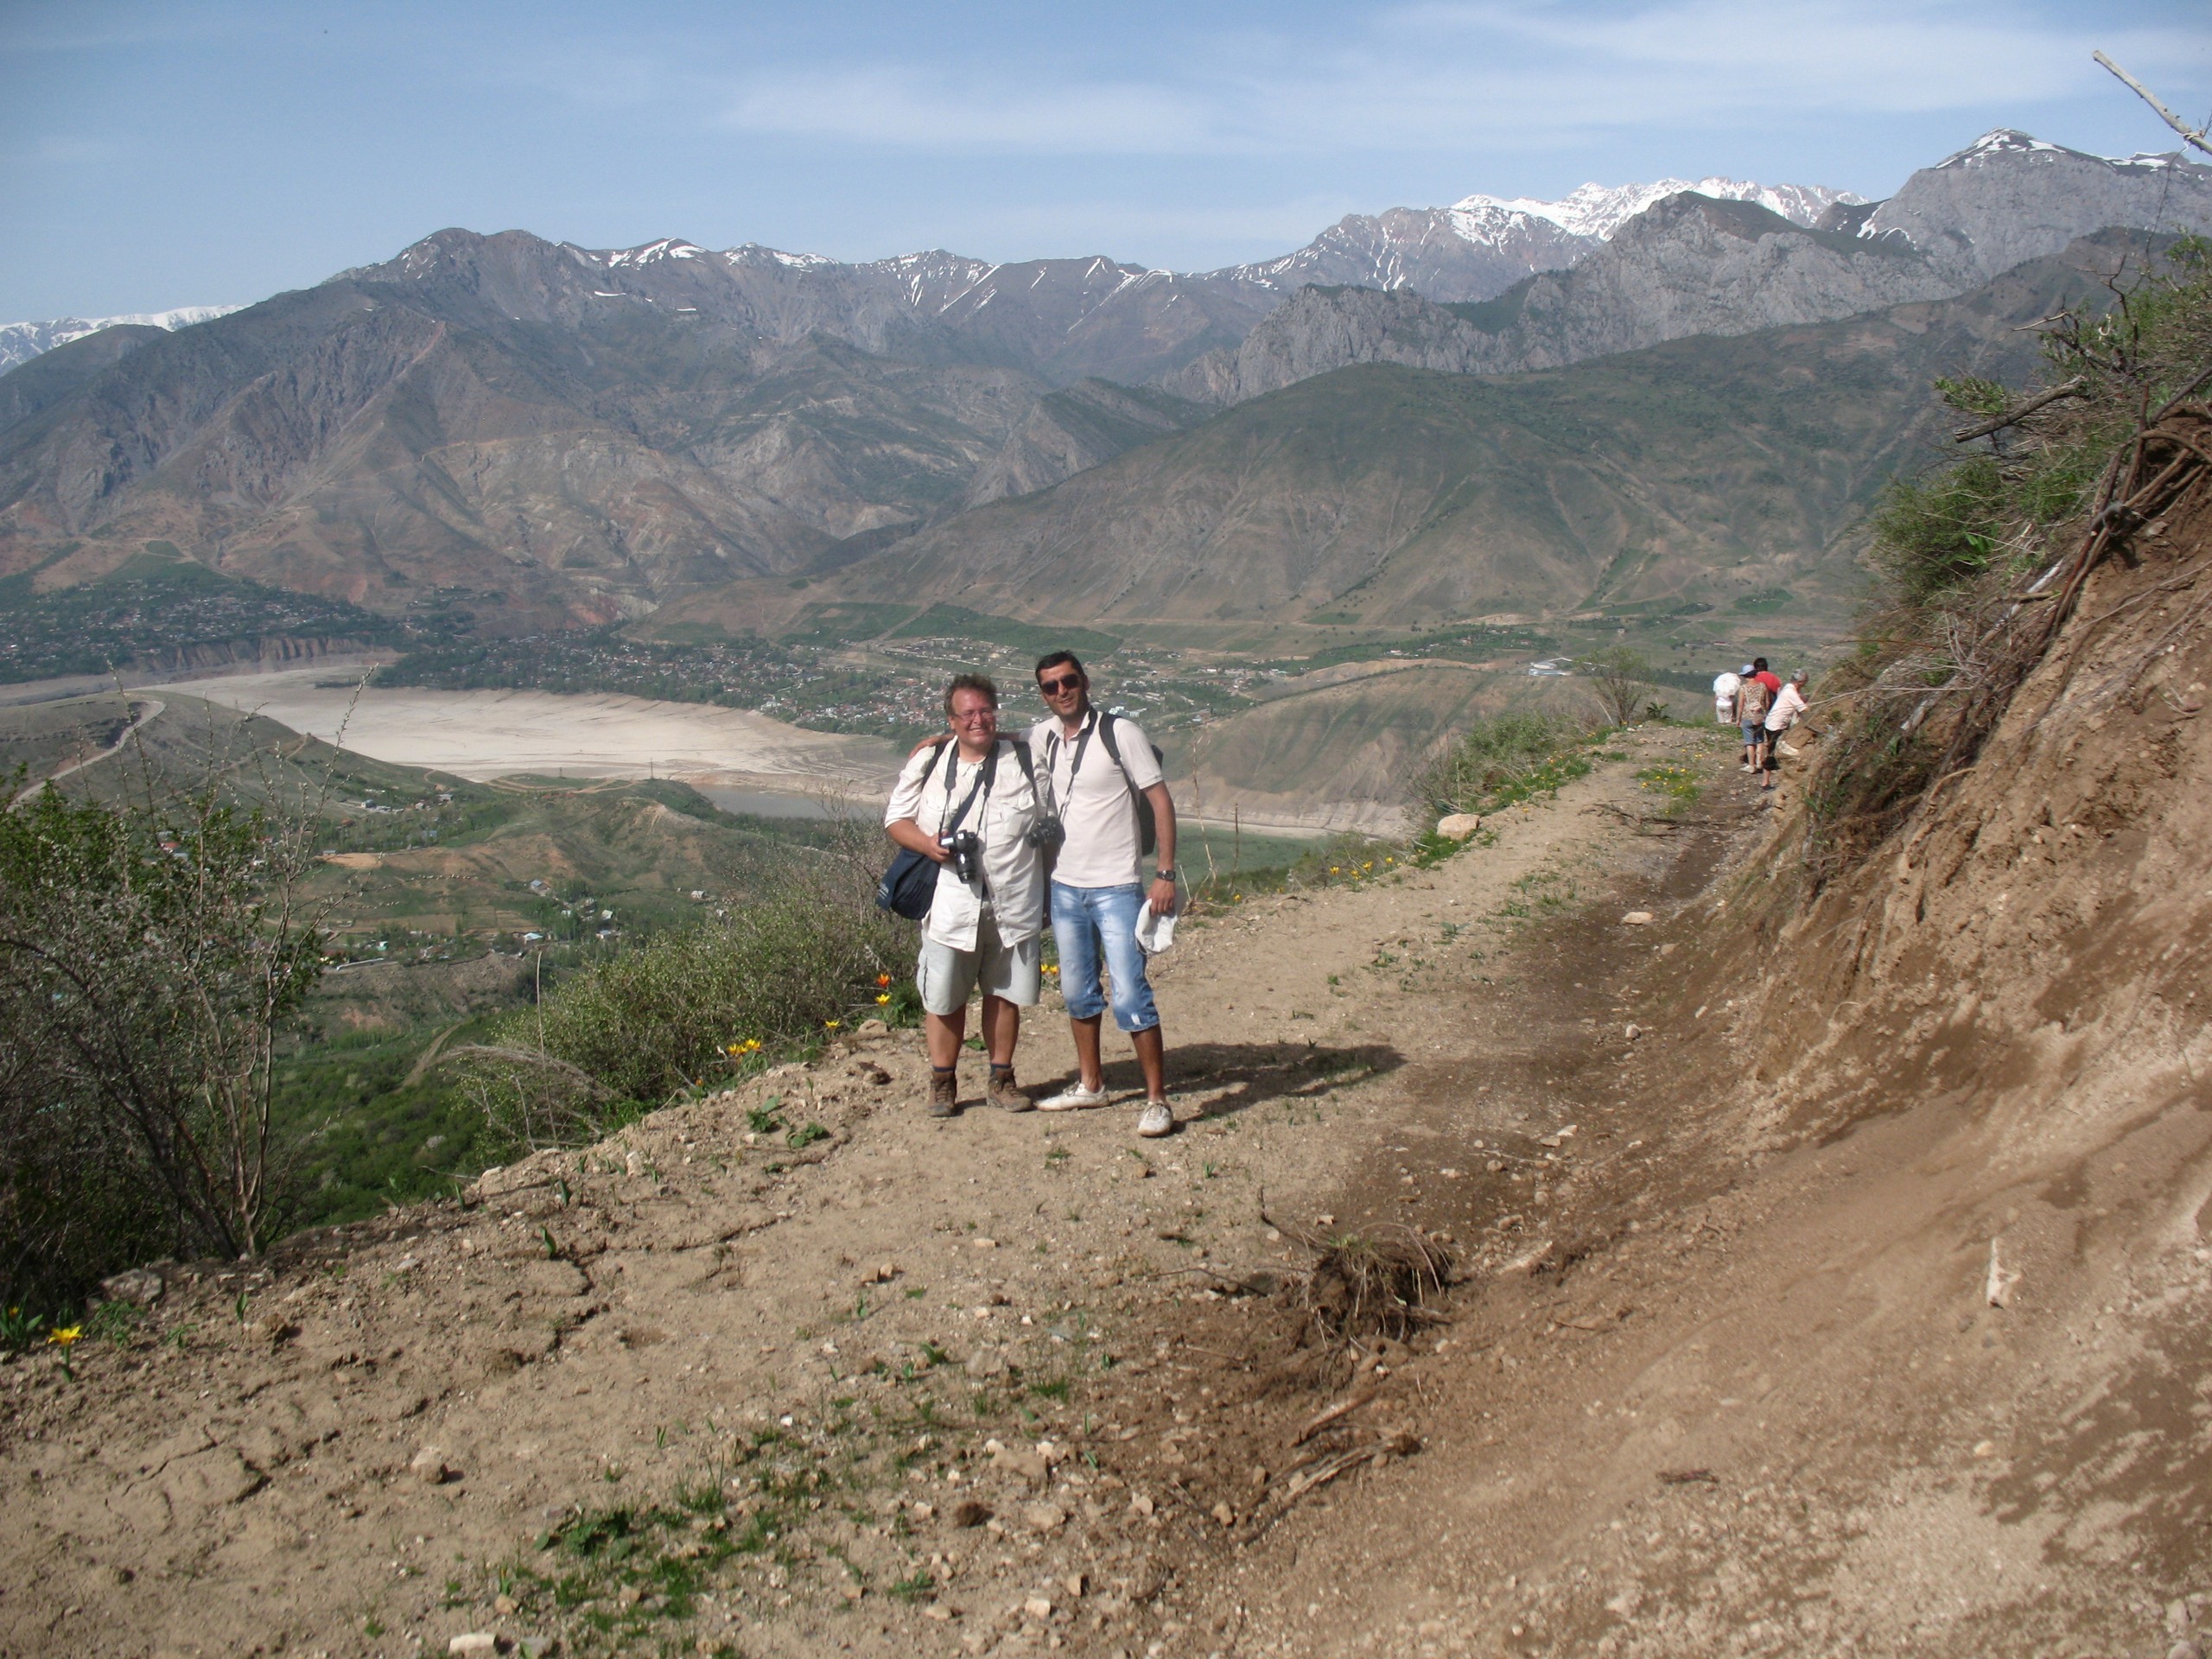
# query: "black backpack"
1147,832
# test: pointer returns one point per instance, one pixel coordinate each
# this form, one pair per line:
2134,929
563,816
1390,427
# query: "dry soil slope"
1977,1063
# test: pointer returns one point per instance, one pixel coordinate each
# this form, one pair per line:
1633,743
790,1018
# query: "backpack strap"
1106,720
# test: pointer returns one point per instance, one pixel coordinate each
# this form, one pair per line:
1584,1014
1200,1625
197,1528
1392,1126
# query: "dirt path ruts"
822,1332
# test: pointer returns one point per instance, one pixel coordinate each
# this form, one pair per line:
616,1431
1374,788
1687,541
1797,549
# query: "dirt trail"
735,1382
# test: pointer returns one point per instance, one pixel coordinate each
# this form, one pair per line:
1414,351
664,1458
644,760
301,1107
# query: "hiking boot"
944,1092
1074,1099
1003,1094
1159,1119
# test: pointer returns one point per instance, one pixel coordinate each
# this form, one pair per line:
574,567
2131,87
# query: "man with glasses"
1105,782
957,806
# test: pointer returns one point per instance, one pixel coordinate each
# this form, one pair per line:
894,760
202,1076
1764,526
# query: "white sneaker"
1074,1099
1159,1119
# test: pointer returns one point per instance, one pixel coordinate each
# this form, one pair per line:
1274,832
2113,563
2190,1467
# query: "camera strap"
984,776
1075,763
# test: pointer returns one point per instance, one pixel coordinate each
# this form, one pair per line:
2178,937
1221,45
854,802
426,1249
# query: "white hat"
1154,933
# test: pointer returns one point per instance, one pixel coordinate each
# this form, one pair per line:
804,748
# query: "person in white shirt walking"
1788,706
976,792
1104,780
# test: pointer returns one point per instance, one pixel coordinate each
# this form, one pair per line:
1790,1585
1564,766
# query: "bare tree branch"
2074,388
2193,137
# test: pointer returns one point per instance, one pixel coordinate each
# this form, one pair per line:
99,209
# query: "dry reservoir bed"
487,734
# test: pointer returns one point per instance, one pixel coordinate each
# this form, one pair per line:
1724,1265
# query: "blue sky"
154,156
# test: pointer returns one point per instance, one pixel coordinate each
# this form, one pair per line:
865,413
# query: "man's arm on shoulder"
907,794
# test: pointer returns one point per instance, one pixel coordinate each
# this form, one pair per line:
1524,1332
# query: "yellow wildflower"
882,998
65,1335
830,1025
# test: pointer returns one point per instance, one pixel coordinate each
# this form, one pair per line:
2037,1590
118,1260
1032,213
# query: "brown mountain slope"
1693,473
479,419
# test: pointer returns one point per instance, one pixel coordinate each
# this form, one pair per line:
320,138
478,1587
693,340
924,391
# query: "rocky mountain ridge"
2008,197
1694,264
544,434
1482,245
1682,477
21,342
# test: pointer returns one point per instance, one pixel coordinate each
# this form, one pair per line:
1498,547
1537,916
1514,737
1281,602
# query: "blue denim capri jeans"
1095,923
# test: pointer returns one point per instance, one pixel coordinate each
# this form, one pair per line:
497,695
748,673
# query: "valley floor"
1016,1384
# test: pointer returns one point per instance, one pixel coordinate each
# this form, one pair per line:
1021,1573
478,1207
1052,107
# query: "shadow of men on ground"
1233,1077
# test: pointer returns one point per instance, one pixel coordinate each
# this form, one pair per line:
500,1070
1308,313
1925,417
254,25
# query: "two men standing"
1100,775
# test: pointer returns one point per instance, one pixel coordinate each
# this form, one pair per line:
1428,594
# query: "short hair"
1759,663
969,683
1054,658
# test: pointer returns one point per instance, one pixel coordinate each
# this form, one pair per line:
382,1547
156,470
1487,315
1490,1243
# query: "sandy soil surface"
796,1370
486,734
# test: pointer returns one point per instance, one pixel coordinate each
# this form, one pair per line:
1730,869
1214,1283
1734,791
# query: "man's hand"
908,834
1162,897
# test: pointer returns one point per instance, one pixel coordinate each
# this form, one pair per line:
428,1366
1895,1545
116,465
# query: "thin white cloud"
905,107
1485,73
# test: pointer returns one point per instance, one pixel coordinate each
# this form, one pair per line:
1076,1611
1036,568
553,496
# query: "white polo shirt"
1103,848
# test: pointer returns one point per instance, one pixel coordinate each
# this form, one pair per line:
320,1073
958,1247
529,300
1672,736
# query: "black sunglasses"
1052,687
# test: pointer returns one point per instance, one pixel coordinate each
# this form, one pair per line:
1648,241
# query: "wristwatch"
1167,874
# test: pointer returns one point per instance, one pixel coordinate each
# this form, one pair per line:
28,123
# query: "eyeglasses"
1053,687
975,714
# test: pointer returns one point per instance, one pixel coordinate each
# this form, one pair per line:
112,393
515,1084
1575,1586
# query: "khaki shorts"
947,977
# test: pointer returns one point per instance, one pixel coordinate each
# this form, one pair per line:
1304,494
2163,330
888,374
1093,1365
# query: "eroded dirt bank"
1720,1372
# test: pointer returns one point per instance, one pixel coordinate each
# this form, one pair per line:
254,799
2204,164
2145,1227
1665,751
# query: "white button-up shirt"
1012,870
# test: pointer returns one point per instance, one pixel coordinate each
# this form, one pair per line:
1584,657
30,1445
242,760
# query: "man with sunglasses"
1100,767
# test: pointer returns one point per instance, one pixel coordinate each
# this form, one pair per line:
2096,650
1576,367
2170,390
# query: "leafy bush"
1617,674
1498,761
149,958
1946,642
1934,535
635,1029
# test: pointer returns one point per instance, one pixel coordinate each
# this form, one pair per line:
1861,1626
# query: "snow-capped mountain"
1481,245
2010,196
21,342
1596,211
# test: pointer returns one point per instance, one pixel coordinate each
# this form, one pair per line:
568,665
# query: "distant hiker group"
1764,706
998,834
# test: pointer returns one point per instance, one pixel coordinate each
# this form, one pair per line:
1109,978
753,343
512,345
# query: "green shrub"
1499,761
149,957
645,1024
1944,643
1936,534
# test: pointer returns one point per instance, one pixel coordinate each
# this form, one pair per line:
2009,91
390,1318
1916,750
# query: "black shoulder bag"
909,887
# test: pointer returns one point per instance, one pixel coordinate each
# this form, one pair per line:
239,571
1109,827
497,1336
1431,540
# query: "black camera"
1047,832
967,850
